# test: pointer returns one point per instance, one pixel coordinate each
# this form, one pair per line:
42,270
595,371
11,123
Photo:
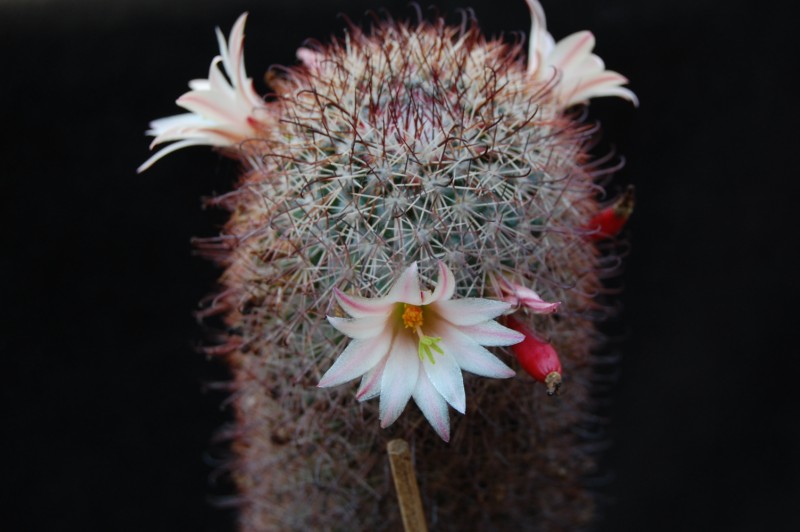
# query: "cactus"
434,151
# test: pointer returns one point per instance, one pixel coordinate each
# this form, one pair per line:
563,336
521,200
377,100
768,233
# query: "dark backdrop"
109,410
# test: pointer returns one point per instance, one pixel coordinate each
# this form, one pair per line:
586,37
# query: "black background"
109,413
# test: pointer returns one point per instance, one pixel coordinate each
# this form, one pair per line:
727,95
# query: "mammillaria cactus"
405,191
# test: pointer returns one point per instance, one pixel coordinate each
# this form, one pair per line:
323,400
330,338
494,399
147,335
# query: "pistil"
413,319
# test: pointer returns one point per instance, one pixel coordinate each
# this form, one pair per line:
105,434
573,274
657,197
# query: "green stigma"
428,344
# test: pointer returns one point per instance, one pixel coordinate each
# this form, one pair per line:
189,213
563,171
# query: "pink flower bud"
520,295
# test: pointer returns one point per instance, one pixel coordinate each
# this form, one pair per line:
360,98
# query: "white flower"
411,343
222,109
579,73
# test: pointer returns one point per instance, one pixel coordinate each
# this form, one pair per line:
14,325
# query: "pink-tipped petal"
224,46
538,36
570,52
362,307
540,307
162,126
445,375
470,356
533,301
590,66
371,382
523,292
620,92
233,60
213,110
359,357
406,288
217,82
399,379
360,328
606,84
492,333
606,78
470,311
167,150
445,285
433,406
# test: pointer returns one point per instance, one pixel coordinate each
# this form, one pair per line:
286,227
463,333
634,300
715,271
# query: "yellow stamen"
412,316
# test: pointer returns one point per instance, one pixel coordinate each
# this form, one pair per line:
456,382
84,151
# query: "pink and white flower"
414,343
222,107
579,74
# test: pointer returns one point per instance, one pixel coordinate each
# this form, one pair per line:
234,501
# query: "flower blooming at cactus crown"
222,110
579,74
411,343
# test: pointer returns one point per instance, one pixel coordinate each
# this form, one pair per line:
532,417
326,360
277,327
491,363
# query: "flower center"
412,316
412,319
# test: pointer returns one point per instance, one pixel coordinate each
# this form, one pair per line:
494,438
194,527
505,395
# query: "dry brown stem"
405,482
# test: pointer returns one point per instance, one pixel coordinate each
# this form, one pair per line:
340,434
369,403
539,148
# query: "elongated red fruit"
536,356
610,221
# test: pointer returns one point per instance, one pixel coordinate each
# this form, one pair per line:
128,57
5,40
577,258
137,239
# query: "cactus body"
408,143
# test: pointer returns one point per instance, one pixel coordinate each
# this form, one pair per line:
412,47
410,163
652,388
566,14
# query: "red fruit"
537,357
610,221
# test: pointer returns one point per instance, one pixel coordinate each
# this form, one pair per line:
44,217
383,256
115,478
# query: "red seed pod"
536,356
610,221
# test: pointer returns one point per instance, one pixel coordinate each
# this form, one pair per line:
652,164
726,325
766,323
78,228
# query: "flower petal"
445,375
590,66
233,60
540,307
220,113
570,51
201,84
470,311
186,121
359,328
433,406
620,92
538,39
492,333
399,379
445,285
371,382
167,150
363,307
470,356
359,357
406,288
606,83
531,299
